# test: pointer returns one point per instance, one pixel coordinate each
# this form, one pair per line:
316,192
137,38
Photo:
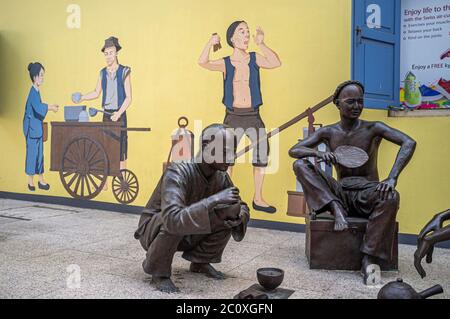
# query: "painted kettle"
182,148
401,290
182,142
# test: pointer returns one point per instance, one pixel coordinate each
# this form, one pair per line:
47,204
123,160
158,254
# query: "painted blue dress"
35,112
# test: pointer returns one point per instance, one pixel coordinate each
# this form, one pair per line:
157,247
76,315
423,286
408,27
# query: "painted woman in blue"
35,112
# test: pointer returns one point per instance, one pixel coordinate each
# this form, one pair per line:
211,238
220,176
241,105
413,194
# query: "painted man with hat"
115,83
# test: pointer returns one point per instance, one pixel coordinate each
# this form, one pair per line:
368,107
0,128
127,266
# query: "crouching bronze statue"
433,233
357,191
195,209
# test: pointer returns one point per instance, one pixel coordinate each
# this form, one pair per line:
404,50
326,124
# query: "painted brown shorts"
248,121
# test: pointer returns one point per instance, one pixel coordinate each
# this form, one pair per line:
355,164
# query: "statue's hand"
418,265
386,188
327,157
423,245
226,196
434,224
236,222
424,248
233,223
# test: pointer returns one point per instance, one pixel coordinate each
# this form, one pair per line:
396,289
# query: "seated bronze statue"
194,209
434,232
358,191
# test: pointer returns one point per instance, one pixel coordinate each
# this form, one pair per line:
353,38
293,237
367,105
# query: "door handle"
358,34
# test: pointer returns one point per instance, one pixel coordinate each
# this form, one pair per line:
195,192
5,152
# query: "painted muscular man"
184,214
242,94
357,191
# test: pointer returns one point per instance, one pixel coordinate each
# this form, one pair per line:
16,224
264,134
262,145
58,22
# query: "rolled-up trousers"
359,198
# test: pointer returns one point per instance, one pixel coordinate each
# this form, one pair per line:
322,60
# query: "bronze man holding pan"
357,191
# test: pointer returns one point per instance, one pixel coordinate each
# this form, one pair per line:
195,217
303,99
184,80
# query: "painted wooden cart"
86,153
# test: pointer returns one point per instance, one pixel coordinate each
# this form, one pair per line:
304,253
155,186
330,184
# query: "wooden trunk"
328,249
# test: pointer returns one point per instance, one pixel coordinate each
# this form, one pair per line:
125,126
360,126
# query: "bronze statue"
357,191
195,208
431,234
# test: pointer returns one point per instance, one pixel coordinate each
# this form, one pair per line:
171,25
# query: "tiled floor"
43,248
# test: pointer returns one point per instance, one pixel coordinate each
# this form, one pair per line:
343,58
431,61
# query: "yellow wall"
161,42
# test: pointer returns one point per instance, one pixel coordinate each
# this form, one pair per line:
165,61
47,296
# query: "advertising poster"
425,54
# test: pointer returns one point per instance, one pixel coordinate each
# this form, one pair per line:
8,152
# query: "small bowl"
270,278
76,97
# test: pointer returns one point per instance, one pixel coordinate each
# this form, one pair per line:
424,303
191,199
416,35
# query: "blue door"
376,51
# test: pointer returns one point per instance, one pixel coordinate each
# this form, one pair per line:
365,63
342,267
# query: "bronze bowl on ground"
270,278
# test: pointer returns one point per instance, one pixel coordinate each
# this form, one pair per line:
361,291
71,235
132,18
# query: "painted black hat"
111,42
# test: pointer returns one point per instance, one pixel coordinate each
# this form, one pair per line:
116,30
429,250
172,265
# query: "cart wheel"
84,168
125,187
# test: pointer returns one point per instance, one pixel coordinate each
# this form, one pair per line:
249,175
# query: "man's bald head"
218,146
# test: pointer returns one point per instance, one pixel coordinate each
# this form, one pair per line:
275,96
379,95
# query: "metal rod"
289,123
136,129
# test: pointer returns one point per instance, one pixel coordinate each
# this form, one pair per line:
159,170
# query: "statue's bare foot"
340,223
208,270
165,284
371,271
